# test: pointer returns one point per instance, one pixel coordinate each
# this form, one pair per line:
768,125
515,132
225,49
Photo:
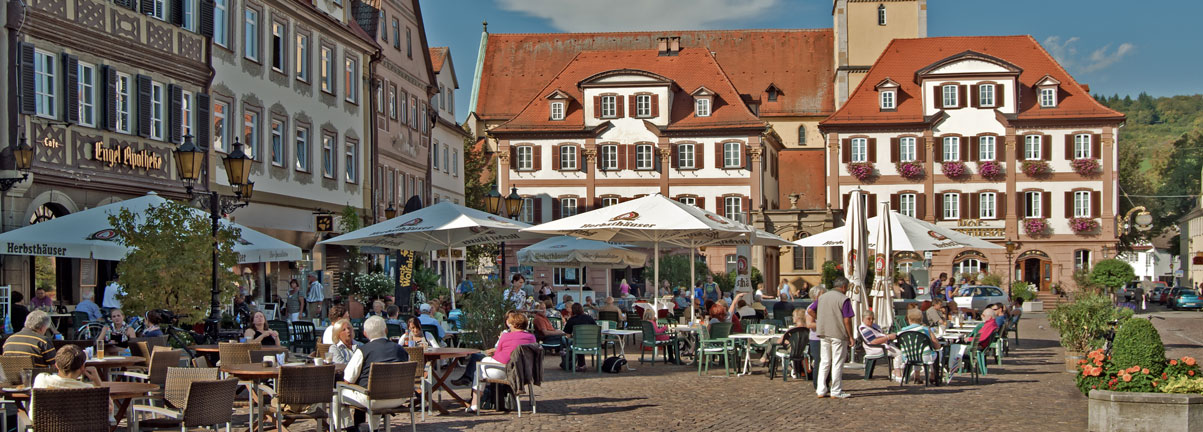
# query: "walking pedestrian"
833,317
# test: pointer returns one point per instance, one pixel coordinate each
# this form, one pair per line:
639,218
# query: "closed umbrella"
568,251
856,249
883,270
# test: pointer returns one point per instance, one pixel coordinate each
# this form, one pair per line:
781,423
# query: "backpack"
613,364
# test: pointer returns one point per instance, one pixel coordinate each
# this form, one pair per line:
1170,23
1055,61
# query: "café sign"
126,156
979,228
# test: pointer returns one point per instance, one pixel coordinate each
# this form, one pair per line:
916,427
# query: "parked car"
1132,292
1185,298
1164,297
1154,295
1156,286
977,297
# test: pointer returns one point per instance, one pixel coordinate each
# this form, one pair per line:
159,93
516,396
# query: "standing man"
465,286
833,317
111,292
315,296
710,290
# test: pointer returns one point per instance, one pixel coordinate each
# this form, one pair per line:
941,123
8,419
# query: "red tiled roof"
690,69
904,57
437,54
798,62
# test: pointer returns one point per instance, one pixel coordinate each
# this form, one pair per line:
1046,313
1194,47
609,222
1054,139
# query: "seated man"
378,350
610,307
578,318
877,344
425,318
544,331
989,326
32,340
86,305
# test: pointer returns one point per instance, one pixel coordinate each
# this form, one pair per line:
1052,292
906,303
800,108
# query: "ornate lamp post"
189,159
1012,246
507,206
22,162
390,212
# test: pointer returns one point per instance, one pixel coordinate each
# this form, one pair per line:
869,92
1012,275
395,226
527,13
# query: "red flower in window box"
911,170
1086,166
1036,227
1083,225
1037,168
863,171
955,169
991,170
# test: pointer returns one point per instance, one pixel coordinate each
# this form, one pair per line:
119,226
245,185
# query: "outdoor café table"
257,373
754,338
432,356
621,335
103,365
211,351
121,392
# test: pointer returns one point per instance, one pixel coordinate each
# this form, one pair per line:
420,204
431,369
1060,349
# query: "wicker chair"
321,350
298,387
417,355
67,410
156,373
209,403
12,366
232,353
385,381
175,391
200,362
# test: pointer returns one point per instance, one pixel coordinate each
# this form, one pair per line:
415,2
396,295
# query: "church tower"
863,28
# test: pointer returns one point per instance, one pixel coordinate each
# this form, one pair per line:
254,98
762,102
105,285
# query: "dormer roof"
1047,80
702,91
887,83
933,69
558,94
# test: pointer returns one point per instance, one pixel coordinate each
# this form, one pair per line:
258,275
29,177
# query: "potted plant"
863,171
1036,168
1083,225
955,170
991,170
1036,227
911,170
1086,166
1082,324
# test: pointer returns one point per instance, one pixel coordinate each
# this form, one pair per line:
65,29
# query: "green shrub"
1112,274
992,279
1137,343
831,270
1020,289
1183,385
1084,321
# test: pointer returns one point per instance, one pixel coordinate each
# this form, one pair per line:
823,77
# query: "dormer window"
1048,97
887,94
701,107
557,110
772,92
888,99
557,105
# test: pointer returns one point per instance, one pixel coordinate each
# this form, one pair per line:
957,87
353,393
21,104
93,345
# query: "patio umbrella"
568,251
87,234
883,269
652,219
906,234
441,226
856,250
751,236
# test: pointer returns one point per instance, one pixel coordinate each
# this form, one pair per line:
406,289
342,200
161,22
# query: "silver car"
977,297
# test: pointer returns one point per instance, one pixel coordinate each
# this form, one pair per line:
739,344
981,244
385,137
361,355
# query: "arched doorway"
1034,267
55,275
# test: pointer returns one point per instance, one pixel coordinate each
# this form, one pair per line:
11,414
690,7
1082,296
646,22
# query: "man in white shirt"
315,296
378,350
110,295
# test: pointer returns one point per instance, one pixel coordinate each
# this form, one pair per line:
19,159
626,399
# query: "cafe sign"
979,228
126,156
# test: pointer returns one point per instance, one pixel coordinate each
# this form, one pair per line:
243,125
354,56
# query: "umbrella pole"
451,277
692,275
656,283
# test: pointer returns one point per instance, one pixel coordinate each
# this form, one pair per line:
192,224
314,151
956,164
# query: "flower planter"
1071,361
1128,411
1033,306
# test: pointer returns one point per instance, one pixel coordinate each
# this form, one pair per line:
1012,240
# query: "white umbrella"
906,234
883,269
88,234
652,219
441,226
856,250
568,251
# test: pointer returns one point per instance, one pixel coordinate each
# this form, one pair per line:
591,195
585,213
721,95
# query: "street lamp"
189,159
1012,246
390,212
22,161
503,206
1142,222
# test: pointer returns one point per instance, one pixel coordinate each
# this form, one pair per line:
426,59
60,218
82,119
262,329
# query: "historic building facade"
988,136
103,91
446,147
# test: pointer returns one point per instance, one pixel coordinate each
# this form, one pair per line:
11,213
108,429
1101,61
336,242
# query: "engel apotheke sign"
126,156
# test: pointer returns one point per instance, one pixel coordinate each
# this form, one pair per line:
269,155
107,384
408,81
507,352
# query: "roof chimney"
669,45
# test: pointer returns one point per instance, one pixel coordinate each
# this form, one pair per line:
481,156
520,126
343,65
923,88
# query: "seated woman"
378,309
258,331
345,345
544,330
493,367
649,315
914,320
117,333
153,319
415,337
878,343
70,364
470,364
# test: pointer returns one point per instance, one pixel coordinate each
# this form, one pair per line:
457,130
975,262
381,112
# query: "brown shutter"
537,157
920,205
975,206
1046,152
718,155
537,203
631,156
921,149
699,156
974,147
964,142
655,105
555,208
555,157
1096,146
1020,143
894,151
1000,205
143,102
622,156
847,197
1069,147
29,104
1021,205
873,204
618,105
846,150
999,94
632,108
1095,204
937,97
701,202
939,197
895,202
1045,206
597,107
513,157
1069,204
175,120
872,149
747,208
974,90
962,96
964,213
675,158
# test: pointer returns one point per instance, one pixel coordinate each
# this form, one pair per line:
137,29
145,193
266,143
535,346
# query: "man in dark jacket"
378,350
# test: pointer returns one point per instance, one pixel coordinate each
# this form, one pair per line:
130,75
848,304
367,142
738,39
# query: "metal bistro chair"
385,381
913,344
300,387
285,331
67,410
304,336
608,316
586,338
394,330
792,354
716,344
649,340
208,403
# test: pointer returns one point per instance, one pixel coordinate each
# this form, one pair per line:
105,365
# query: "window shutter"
746,156
975,147
147,7
555,157
974,91
873,204
536,157
1020,143
699,156
701,202
1000,205
1046,153
202,121
175,115
964,142
718,155
143,105
845,150
70,88
999,95
747,209
964,213
631,156
1096,204
206,18
938,97
895,202
1096,146
597,107
110,97
962,96
1045,207
920,205
618,106
514,158
655,105
676,155
1069,147
1021,204
921,149
939,197
177,12
847,197
872,149
29,103
1069,204
555,208
580,158
975,206
894,150
633,110
622,156
537,211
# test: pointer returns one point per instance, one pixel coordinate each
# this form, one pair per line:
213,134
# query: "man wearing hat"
425,318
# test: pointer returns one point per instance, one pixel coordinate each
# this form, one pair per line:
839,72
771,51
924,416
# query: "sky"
1117,47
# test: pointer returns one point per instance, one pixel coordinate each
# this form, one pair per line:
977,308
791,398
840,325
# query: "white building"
446,145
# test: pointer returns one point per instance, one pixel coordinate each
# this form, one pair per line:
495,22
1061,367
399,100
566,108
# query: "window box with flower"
1036,168
911,170
991,170
1086,166
954,170
1084,225
1036,227
863,171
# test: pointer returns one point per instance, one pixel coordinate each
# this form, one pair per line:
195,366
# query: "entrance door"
1037,271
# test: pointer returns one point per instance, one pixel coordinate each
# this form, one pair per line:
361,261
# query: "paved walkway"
1029,391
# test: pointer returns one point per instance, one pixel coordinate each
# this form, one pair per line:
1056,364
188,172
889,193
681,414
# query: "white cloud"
1066,52
629,15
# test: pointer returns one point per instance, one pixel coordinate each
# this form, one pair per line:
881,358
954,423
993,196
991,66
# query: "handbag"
614,364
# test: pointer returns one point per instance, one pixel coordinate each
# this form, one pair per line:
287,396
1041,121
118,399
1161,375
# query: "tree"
1112,274
478,181
675,269
170,260
348,278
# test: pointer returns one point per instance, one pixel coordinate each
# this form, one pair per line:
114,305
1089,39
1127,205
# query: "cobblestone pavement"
1181,331
1030,391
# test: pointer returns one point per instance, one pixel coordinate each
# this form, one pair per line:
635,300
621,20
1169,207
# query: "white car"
976,297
